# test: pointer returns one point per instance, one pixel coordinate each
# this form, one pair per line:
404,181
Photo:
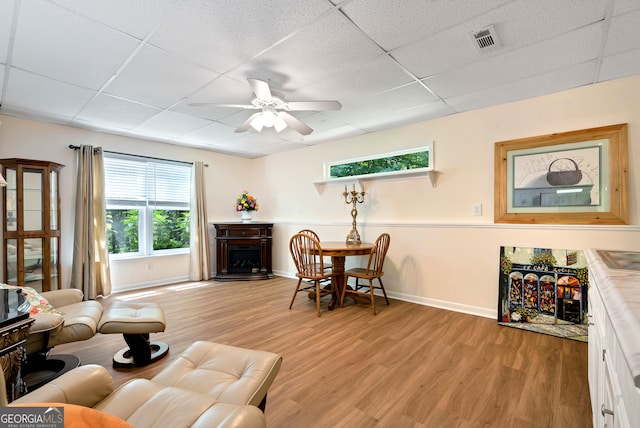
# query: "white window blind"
156,182
124,179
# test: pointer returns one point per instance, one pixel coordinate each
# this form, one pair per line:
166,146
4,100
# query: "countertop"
620,292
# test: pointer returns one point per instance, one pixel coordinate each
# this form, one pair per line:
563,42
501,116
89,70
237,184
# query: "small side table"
14,328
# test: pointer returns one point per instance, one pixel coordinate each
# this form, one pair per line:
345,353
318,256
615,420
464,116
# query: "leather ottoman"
135,321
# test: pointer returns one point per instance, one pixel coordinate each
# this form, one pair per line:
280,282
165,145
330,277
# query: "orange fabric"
82,417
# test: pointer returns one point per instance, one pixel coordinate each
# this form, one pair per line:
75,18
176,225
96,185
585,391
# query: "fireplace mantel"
243,251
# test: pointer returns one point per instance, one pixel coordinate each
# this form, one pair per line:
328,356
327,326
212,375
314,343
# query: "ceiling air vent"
486,39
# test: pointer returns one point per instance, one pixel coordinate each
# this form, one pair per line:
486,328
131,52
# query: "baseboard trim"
148,284
426,301
445,304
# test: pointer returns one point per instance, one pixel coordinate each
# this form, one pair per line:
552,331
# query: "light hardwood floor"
408,366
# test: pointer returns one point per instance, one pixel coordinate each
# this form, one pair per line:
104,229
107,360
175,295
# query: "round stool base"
124,357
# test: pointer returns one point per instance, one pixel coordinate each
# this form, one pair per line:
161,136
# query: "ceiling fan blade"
247,123
261,89
244,106
314,105
294,123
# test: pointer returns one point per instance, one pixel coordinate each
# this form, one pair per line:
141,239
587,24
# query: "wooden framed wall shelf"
31,223
406,163
431,174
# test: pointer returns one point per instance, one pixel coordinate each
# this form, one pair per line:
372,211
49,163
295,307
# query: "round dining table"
339,250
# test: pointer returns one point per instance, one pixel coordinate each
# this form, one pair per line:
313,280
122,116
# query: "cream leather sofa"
209,385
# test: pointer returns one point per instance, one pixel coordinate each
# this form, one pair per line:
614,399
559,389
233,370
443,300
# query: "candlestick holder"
353,198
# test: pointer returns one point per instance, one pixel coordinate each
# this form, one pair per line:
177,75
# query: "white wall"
30,139
440,254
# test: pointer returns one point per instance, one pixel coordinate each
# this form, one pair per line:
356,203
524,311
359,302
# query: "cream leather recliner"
209,385
67,318
75,320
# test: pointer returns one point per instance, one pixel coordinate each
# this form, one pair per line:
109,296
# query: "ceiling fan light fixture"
279,124
268,118
273,110
258,122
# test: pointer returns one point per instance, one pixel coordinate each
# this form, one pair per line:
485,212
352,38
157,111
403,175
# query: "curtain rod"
71,146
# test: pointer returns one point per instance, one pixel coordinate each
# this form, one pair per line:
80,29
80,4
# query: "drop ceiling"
132,67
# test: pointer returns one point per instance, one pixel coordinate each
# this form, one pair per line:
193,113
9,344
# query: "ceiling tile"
416,18
542,84
56,43
171,124
624,34
29,91
332,134
624,6
153,68
524,22
621,65
379,105
265,145
326,47
43,116
116,113
222,34
557,53
371,77
212,134
319,122
134,17
440,52
6,17
395,118
513,23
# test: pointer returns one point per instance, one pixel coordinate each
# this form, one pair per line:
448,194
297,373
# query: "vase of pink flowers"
246,204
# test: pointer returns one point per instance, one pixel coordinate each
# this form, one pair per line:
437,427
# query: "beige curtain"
199,264
90,270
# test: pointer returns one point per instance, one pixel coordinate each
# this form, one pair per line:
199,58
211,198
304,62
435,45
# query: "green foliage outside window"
122,231
401,162
170,230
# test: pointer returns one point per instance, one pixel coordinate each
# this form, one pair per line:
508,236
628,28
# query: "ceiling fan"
274,110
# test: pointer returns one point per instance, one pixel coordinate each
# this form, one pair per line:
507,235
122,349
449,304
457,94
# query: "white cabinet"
596,366
601,378
615,399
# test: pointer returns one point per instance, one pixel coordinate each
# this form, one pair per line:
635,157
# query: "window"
147,205
413,160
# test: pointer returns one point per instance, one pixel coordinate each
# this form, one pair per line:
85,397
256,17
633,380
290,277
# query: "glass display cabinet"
31,223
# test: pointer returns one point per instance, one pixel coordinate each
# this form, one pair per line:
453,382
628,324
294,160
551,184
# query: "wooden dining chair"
317,238
371,272
310,232
307,256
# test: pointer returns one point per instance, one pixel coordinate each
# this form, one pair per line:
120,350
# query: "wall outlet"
476,209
